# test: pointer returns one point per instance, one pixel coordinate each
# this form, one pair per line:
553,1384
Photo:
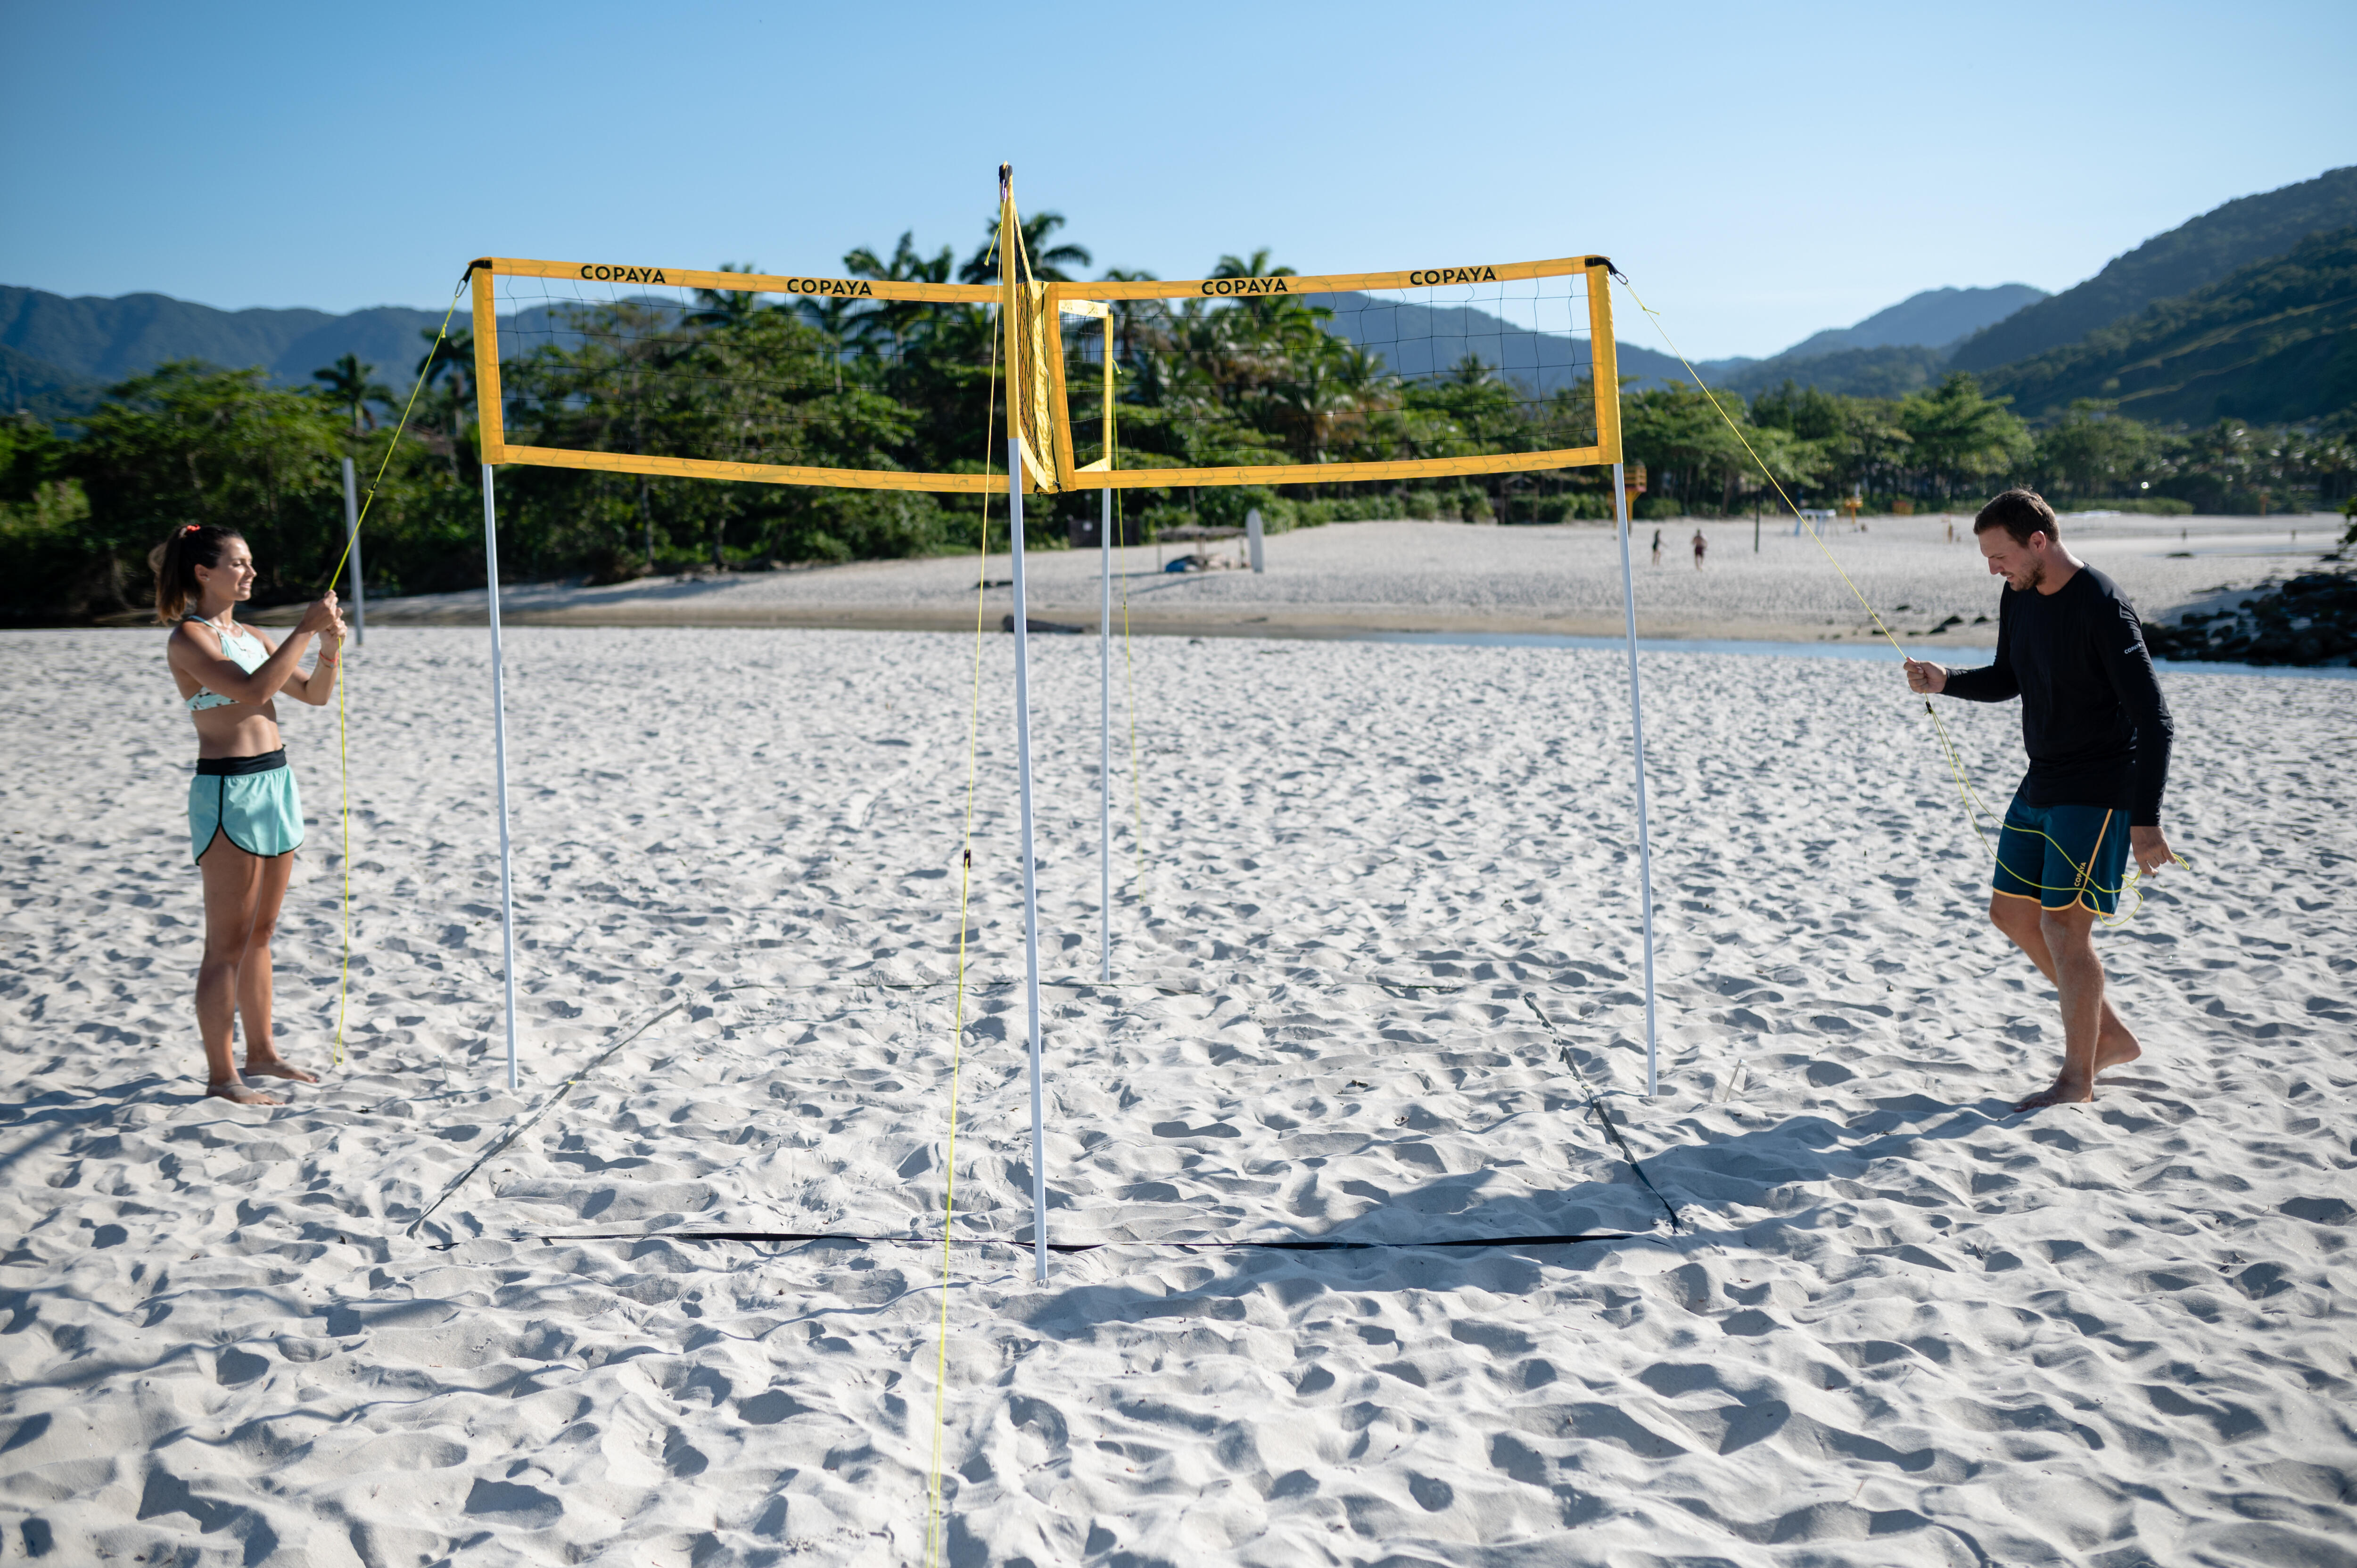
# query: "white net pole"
352,547
1105,735
1637,730
500,757
1030,862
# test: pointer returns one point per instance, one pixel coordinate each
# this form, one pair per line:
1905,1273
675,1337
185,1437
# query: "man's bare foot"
2113,1047
278,1067
235,1091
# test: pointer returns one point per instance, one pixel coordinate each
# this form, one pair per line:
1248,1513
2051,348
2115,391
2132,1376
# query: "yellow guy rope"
957,1031
343,687
1972,804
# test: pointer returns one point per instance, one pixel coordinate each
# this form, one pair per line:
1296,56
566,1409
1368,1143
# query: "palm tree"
1272,310
1959,435
1334,385
833,318
895,317
1126,312
346,383
726,306
454,354
1256,265
1048,261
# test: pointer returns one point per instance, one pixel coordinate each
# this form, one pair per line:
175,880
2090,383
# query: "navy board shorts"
2062,855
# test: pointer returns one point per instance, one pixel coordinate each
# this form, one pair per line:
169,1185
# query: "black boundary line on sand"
533,1121
1220,1245
1596,1104
568,1088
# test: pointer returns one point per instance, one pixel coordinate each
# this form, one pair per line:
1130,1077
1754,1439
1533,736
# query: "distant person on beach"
2070,645
1700,544
1657,547
245,818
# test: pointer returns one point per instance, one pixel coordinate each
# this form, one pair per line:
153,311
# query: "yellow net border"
1033,371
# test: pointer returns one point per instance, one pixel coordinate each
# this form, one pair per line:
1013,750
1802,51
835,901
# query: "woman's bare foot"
235,1091
2066,1091
278,1067
2114,1047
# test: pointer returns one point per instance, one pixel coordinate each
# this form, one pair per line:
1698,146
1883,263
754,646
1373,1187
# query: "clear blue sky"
1759,171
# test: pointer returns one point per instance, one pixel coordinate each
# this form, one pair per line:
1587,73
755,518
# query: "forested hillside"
93,341
2273,343
2192,256
42,390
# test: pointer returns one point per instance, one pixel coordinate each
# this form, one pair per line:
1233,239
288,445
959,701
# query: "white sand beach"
1892,1323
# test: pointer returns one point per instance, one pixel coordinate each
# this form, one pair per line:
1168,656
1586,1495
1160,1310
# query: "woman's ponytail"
176,562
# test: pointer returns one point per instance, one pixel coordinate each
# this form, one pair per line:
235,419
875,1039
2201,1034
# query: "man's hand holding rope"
2150,847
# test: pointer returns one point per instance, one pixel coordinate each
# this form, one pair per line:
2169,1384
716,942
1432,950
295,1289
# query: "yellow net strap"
1975,812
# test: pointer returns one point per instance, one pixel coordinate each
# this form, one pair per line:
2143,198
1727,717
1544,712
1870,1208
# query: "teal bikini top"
242,650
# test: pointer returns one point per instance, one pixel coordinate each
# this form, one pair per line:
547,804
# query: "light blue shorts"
250,800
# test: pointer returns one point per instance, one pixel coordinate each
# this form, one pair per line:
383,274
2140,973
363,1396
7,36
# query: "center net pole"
499,761
1637,733
1030,861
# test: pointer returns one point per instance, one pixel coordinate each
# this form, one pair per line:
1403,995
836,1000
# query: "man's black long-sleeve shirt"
2092,715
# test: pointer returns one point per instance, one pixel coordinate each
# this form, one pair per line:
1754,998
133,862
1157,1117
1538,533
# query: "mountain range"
2190,256
2272,342
1423,340
91,342
2245,310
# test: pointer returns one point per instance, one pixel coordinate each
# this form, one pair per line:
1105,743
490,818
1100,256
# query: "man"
1700,544
2069,645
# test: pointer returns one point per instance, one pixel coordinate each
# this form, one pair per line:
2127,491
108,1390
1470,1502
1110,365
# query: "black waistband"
230,766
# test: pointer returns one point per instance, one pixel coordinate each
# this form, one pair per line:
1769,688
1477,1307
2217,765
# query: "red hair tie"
191,528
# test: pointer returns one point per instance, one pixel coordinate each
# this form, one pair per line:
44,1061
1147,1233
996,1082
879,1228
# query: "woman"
245,818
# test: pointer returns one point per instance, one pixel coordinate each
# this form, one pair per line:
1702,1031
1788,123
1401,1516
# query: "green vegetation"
188,442
88,344
1949,444
2274,341
1892,370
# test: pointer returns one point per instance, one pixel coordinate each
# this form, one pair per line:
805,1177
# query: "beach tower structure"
1508,369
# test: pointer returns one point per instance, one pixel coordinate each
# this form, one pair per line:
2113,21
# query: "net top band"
983,294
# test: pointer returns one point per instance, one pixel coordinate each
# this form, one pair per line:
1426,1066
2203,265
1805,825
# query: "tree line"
846,383
1948,445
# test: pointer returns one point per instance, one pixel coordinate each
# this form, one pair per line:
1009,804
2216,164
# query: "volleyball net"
1289,379
867,384
676,372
